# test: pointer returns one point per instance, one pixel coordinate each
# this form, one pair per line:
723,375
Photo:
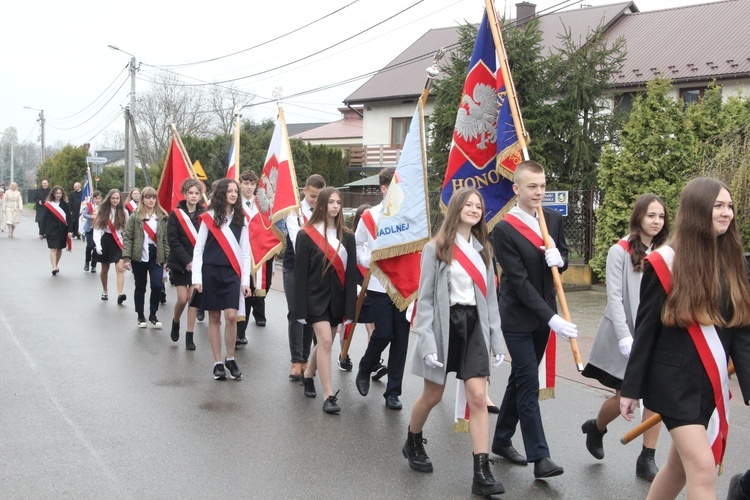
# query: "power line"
99,111
92,102
260,44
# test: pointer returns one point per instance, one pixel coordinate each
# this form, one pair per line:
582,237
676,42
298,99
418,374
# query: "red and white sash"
336,256
712,356
150,233
625,245
131,206
226,240
467,256
57,211
187,225
547,366
370,224
116,235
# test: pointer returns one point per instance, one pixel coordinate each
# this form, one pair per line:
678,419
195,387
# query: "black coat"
527,291
53,229
314,290
180,247
75,203
40,196
664,367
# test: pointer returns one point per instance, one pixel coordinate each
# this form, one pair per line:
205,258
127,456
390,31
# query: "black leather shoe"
510,454
260,322
735,488
645,466
545,467
594,438
392,402
363,382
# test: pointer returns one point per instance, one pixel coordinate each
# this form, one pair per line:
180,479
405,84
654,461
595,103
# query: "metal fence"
580,223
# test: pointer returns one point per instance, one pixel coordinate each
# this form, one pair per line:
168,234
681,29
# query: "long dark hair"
51,195
105,209
705,264
640,209
446,235
358,215
320,214
219,203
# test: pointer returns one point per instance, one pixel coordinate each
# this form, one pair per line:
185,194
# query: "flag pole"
521,134
432,72
237,117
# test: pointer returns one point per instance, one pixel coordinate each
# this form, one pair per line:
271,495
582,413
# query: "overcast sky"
55,55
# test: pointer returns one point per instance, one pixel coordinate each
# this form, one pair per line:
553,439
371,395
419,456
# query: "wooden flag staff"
521,134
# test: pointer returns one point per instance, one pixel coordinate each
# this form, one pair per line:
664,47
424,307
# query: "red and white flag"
275,197
233,164
175,172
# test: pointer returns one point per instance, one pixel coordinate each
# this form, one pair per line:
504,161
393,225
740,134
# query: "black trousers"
521,399
256,305
391,327
143,272
90,253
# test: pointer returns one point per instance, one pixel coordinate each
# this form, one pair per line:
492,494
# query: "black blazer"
51,227
527,291
180,248
664,367
314,290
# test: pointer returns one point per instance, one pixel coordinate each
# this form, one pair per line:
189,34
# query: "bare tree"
222,101
112,139
170,99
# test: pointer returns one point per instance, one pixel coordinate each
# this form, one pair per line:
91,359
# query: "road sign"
556,200
563,209
96,159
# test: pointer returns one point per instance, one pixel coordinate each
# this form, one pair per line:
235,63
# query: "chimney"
525,12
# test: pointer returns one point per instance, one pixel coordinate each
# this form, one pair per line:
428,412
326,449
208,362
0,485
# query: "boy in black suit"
528,311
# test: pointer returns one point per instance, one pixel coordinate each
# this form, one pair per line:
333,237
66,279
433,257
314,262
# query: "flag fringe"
259,292
546,393
398,250
461,426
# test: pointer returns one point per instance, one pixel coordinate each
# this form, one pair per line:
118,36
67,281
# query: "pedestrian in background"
88,215
108,227
649,229
182,234
40,198
75,209
145,249
2,210
132,200
13,208
55,226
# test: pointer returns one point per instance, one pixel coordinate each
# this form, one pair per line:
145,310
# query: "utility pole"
41,122
128,161
130,115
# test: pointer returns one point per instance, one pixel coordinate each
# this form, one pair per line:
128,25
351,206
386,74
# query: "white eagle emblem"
267,191
480,120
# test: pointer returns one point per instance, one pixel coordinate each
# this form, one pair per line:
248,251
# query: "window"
399,128
691,96
624,102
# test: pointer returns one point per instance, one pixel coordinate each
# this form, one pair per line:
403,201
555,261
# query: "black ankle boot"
175,333
484,482
645,466
594,438
414,452
189,341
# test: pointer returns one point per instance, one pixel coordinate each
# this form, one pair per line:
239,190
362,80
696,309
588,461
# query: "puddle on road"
220,406
175,382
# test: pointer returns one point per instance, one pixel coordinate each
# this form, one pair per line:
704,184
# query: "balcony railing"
374,155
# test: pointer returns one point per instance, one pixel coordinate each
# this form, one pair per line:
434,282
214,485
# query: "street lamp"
130,116
41,122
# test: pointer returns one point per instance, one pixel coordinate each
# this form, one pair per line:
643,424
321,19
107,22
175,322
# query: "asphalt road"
93,407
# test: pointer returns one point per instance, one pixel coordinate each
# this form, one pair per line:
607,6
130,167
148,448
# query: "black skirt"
57,241
467,352
111,251
326,316
221,288
180,279
603,377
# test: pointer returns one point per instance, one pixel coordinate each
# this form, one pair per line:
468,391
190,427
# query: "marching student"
55,225
182,233
391,325
89,214
528,311
649,229
108,226
325,293
221,270
132,200
300,336
694,312
458,328
145,251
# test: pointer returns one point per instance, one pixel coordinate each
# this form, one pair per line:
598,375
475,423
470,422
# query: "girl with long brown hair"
649,229
56,226
694,309
108,226
325,286
458,328
145,251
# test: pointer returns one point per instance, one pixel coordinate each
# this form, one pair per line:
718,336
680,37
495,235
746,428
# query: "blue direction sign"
556,200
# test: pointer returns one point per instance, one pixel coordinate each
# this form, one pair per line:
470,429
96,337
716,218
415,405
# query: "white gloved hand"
302,321
431,360
498,360
552,257
99,250
564,329
625,344
348,322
